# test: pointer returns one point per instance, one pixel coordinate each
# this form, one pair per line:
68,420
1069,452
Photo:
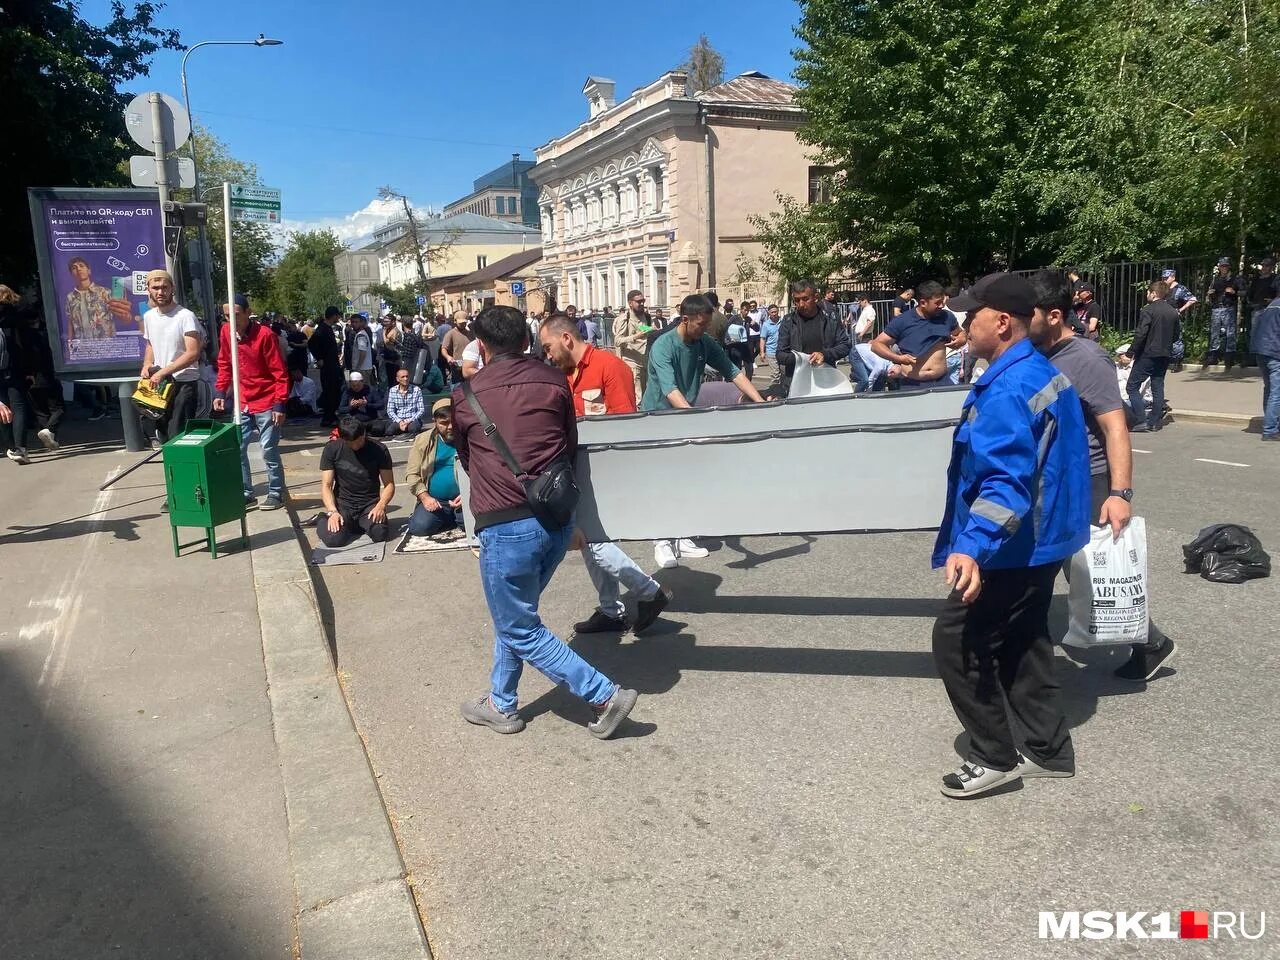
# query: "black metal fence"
1120,289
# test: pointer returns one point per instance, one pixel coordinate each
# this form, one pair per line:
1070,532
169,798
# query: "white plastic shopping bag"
1108,595
823,381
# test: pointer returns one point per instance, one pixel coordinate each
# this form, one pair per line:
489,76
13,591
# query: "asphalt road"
776,793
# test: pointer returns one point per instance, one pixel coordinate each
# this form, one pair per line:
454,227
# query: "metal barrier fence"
1120,289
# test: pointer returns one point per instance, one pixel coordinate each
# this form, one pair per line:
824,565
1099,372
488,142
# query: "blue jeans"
269,438
858,371
1144,367
610,568
1270,394
517,560
425,523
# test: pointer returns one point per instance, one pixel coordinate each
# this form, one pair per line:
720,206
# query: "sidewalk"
179,774
1215,396
142,813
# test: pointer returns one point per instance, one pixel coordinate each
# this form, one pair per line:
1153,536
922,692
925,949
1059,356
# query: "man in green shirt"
677,362
678,359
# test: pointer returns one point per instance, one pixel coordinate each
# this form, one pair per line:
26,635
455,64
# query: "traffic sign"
181,171
255,203
173,119
517,288
421,299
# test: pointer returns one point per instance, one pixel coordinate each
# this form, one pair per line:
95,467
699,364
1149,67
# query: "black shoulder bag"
552,494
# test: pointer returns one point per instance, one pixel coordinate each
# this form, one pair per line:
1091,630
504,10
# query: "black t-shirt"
1085,312
356,472
900,305
1218,296
1263,290
810,333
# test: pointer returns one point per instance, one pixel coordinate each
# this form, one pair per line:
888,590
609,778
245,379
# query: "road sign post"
231,304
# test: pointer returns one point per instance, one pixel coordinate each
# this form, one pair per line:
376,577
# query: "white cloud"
364,221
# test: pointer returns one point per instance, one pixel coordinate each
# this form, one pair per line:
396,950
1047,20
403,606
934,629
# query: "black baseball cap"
1005,292
1224,262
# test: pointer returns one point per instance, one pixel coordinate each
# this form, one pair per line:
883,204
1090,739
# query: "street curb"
353,897
1206,416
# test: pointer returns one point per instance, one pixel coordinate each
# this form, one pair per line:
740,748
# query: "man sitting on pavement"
677,361
602,383
917,339
405,408
808,329
264,388
356,485
304,395
432,478
360,400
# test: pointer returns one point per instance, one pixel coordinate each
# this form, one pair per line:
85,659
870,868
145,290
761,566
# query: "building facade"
505,193
509,282
655,192
453,247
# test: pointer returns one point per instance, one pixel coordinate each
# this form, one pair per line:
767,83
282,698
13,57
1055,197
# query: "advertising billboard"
94,248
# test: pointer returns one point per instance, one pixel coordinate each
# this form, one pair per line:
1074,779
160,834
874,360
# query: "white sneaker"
687,549
20,456
48,439
664,556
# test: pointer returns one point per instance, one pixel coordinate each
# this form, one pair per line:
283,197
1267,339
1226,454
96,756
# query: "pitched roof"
502,268
750,87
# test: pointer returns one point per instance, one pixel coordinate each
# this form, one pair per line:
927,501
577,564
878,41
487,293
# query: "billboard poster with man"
94,249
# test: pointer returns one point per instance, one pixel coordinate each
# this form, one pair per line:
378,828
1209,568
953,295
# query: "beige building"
509,282
654,193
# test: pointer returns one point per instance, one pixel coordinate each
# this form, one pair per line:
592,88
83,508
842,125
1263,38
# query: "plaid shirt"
405,406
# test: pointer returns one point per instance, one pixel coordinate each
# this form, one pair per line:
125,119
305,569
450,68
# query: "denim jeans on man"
1144,367
609,568
427,523
269,438
517,560
1270,394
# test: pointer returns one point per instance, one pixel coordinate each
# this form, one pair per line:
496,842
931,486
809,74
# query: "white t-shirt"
165,333
472,352
866,322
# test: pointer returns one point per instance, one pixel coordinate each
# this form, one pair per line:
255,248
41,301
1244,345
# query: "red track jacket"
264,382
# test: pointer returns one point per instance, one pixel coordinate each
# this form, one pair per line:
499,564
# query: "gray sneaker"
610,716
483,713
272,502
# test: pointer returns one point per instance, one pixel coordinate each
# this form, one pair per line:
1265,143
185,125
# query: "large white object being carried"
1108,597
817,465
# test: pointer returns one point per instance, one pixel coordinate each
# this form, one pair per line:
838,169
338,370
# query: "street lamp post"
206,279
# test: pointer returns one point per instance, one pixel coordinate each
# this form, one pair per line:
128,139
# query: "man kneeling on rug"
432,478
356,486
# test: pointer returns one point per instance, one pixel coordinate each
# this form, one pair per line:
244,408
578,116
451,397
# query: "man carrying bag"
516,436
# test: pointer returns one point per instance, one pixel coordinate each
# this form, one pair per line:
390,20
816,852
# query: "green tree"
401,300
931,113
253,242
61,76
799,243
305,281
705,66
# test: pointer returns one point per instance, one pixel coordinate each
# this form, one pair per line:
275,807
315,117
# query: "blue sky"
423,95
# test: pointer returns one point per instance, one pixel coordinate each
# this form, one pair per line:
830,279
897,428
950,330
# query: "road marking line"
1225,463
1136,450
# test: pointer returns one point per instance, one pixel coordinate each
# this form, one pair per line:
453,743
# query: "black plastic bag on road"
1227,553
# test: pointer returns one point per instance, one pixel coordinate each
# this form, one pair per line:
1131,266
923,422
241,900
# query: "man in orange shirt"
602,383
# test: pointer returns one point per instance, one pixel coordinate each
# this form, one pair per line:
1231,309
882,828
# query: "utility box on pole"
203,483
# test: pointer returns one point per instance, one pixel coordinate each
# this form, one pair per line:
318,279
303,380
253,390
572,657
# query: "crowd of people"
1041,452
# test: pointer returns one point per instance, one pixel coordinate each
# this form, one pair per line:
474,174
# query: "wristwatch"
1126,494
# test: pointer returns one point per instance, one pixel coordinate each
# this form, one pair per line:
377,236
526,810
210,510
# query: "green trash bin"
203,483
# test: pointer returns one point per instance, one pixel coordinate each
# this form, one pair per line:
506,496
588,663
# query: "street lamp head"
265,41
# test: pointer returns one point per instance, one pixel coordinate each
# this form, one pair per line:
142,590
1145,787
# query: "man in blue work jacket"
1017,506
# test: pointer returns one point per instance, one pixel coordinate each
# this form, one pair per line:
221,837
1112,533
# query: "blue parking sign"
517,288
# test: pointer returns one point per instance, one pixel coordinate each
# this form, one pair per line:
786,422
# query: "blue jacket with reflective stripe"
1018,485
